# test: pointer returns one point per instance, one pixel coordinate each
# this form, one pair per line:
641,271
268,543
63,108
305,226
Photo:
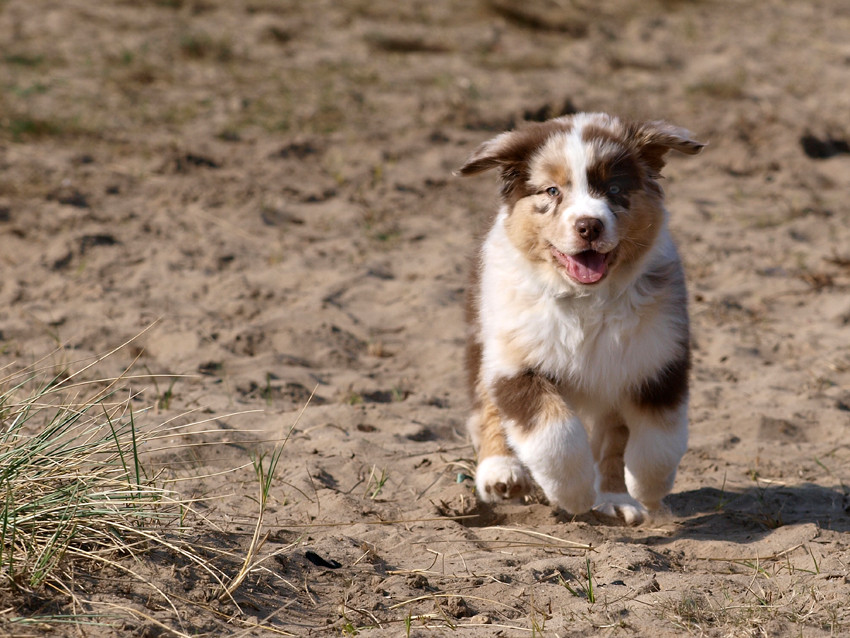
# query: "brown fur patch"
615,135
557,174
473,367
524,227
473,351
491,436
548,167
529,398
639,226
654,140
614,168
669,387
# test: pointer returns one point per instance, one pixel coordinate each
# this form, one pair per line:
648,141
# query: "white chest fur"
601,342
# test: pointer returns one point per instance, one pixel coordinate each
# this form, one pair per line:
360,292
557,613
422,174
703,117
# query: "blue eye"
553,191
614,189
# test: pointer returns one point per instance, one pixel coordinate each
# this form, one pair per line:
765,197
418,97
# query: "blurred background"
231,169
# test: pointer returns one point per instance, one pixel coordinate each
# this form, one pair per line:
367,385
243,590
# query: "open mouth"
588,267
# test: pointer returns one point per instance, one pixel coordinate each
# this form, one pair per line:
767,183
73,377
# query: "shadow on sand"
752,514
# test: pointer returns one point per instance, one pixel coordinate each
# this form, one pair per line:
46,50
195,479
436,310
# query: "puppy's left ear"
491,154
655,139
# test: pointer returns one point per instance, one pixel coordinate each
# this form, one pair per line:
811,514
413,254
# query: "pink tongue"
587,267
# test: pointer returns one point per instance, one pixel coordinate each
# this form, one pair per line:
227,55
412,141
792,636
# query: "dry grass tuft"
76,497
73,485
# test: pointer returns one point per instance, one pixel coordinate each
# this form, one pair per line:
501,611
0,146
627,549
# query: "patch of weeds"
23,59
201,46
163,398
693,610
582,589
769,515
229,134
78,497
328,117
376,481
353,398
814,560
164,401
268,392
722,501
24,127
20,126
265,475
538,618
388,236
38,88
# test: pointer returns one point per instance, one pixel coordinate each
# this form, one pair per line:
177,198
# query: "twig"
542,535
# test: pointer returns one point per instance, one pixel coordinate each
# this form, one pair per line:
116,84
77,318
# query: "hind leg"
658,438
608,442
500,475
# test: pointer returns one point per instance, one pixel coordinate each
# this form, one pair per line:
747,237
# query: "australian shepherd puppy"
578,351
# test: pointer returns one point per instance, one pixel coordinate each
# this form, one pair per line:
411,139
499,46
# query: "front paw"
572,491
620,506
575,499
501,478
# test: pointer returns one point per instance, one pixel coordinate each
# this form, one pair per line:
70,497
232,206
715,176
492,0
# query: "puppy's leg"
608,440
549,440
499,476
658,438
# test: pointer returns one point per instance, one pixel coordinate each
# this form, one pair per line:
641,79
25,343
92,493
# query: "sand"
259,195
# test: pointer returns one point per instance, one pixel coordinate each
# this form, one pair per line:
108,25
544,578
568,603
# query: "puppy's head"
581,191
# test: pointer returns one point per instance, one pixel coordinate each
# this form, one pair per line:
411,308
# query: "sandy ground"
261,193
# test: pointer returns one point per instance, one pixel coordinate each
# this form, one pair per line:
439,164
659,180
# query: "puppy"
578,351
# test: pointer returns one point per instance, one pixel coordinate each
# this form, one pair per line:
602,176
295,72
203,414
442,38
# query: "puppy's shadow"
749,515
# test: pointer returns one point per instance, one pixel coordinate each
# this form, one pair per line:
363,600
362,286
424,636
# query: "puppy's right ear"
491,154
510,153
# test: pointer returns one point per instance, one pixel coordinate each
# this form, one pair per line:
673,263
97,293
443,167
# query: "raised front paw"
620,506
501,478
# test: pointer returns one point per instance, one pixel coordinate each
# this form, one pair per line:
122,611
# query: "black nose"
589,228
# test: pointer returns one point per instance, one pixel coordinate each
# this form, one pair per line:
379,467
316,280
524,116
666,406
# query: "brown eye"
553,191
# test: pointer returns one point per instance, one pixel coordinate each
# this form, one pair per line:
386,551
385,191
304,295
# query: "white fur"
653,455
504,470
559,458
581,203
